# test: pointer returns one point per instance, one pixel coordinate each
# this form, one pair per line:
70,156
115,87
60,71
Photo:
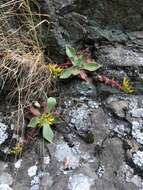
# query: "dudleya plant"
80,64
46,119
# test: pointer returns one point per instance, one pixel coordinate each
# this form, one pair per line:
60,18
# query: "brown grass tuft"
23,70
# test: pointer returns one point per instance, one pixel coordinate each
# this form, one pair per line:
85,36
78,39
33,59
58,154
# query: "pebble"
67,155
5,187
46,160
17,164
137,131
138,159
6,178
32,171
79,182
3,133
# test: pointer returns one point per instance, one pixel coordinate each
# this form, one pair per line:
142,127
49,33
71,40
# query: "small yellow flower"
46,118
17,149
55,69
126,87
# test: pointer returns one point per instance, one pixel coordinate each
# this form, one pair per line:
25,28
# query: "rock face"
95,23
99,145
112,29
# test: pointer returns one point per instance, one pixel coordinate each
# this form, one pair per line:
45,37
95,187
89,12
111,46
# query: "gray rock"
138,159
120,56
5,187
35,187
118,107
128,174
66,154
79,182
6,178
78,117
46,181
137,112
3,132
137,131
75,21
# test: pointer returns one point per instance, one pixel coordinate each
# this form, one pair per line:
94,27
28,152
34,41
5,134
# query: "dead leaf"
34,111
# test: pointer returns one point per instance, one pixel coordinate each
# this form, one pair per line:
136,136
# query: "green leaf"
51,103
68,72
48,133
34,122
79,61
91,66
57,120
71,53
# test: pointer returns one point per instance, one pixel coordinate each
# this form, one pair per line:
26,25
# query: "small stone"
137,131
46,160
119,107
100,171
136,180
46,181
128,174
79,182
138,159
17,165
92,104
35,187
137,112
63,151
3,133
32,171
12,126
6,178
121,129
5,187
35,181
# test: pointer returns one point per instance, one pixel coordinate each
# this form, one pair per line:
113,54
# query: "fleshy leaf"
34,111
34,122
68,72
48,133
71,53
83,75
79,61
57,120
91,66
51,103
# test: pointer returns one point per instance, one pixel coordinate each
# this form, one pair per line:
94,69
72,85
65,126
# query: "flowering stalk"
108,81
124,86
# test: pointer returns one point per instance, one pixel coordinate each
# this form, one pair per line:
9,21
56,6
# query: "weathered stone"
120,56
138,159
68,156
137,131
79,182
5,187
76,21
118,107
127,173
6,178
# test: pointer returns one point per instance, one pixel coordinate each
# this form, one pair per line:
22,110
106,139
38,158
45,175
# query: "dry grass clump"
24,75
23,70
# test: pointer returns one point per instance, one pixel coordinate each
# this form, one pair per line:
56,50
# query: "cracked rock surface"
99,147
